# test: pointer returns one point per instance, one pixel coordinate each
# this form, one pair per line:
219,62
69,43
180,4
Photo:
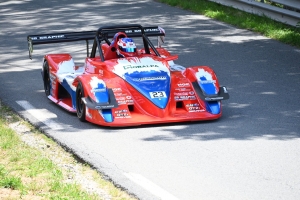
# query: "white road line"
43,115
150,186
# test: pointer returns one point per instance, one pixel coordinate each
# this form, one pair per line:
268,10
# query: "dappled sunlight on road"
236,39
240,58
238,105
14,2
253,149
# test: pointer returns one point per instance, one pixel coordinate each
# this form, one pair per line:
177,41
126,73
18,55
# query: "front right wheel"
80,106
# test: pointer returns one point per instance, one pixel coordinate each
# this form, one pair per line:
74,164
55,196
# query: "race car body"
130,87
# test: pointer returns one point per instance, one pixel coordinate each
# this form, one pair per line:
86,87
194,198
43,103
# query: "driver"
126,48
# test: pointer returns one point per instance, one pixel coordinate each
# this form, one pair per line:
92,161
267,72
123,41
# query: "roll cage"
135,30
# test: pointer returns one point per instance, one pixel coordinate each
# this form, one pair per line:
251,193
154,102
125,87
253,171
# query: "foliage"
261,24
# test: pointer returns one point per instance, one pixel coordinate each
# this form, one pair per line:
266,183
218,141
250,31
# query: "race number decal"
158,94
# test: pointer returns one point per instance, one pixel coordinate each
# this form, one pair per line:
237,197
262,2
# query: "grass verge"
33,166
260,24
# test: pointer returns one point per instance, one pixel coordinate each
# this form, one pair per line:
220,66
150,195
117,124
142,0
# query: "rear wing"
106,31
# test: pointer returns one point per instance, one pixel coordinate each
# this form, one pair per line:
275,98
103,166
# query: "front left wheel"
46,78
80,106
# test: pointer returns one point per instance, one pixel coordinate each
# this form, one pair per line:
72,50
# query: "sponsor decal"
122,114
99,90
181,93
138,66
133,66
118,94
121,111
120,98
104,106
123,117
183,89
129,101
117,90
196,110
192,105
151,29
139,31
133,31
207,81
48,37
121,102
150,78
183,85
181,98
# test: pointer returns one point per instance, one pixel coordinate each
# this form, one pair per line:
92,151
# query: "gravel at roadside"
72,170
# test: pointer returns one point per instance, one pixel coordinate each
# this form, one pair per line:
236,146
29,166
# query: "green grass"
260,24
27,173
11,182
21,166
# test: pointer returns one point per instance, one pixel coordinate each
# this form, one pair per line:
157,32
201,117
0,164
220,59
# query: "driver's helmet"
126,47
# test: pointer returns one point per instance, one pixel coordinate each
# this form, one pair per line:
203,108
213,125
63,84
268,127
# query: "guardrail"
288,12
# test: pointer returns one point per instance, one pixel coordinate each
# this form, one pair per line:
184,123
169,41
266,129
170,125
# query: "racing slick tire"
80,106
46,78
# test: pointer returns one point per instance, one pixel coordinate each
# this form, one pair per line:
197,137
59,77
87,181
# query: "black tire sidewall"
80,106
46,78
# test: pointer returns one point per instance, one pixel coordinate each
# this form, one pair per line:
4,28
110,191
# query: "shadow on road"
262,75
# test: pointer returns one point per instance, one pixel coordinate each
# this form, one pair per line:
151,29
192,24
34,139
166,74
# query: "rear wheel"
46,77
80,106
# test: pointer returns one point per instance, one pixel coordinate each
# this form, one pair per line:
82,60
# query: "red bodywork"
115,88
134,108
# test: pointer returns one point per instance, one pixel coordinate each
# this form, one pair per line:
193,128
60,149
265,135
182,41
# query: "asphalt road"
252,152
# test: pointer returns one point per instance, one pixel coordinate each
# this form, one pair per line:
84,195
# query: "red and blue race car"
123,85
